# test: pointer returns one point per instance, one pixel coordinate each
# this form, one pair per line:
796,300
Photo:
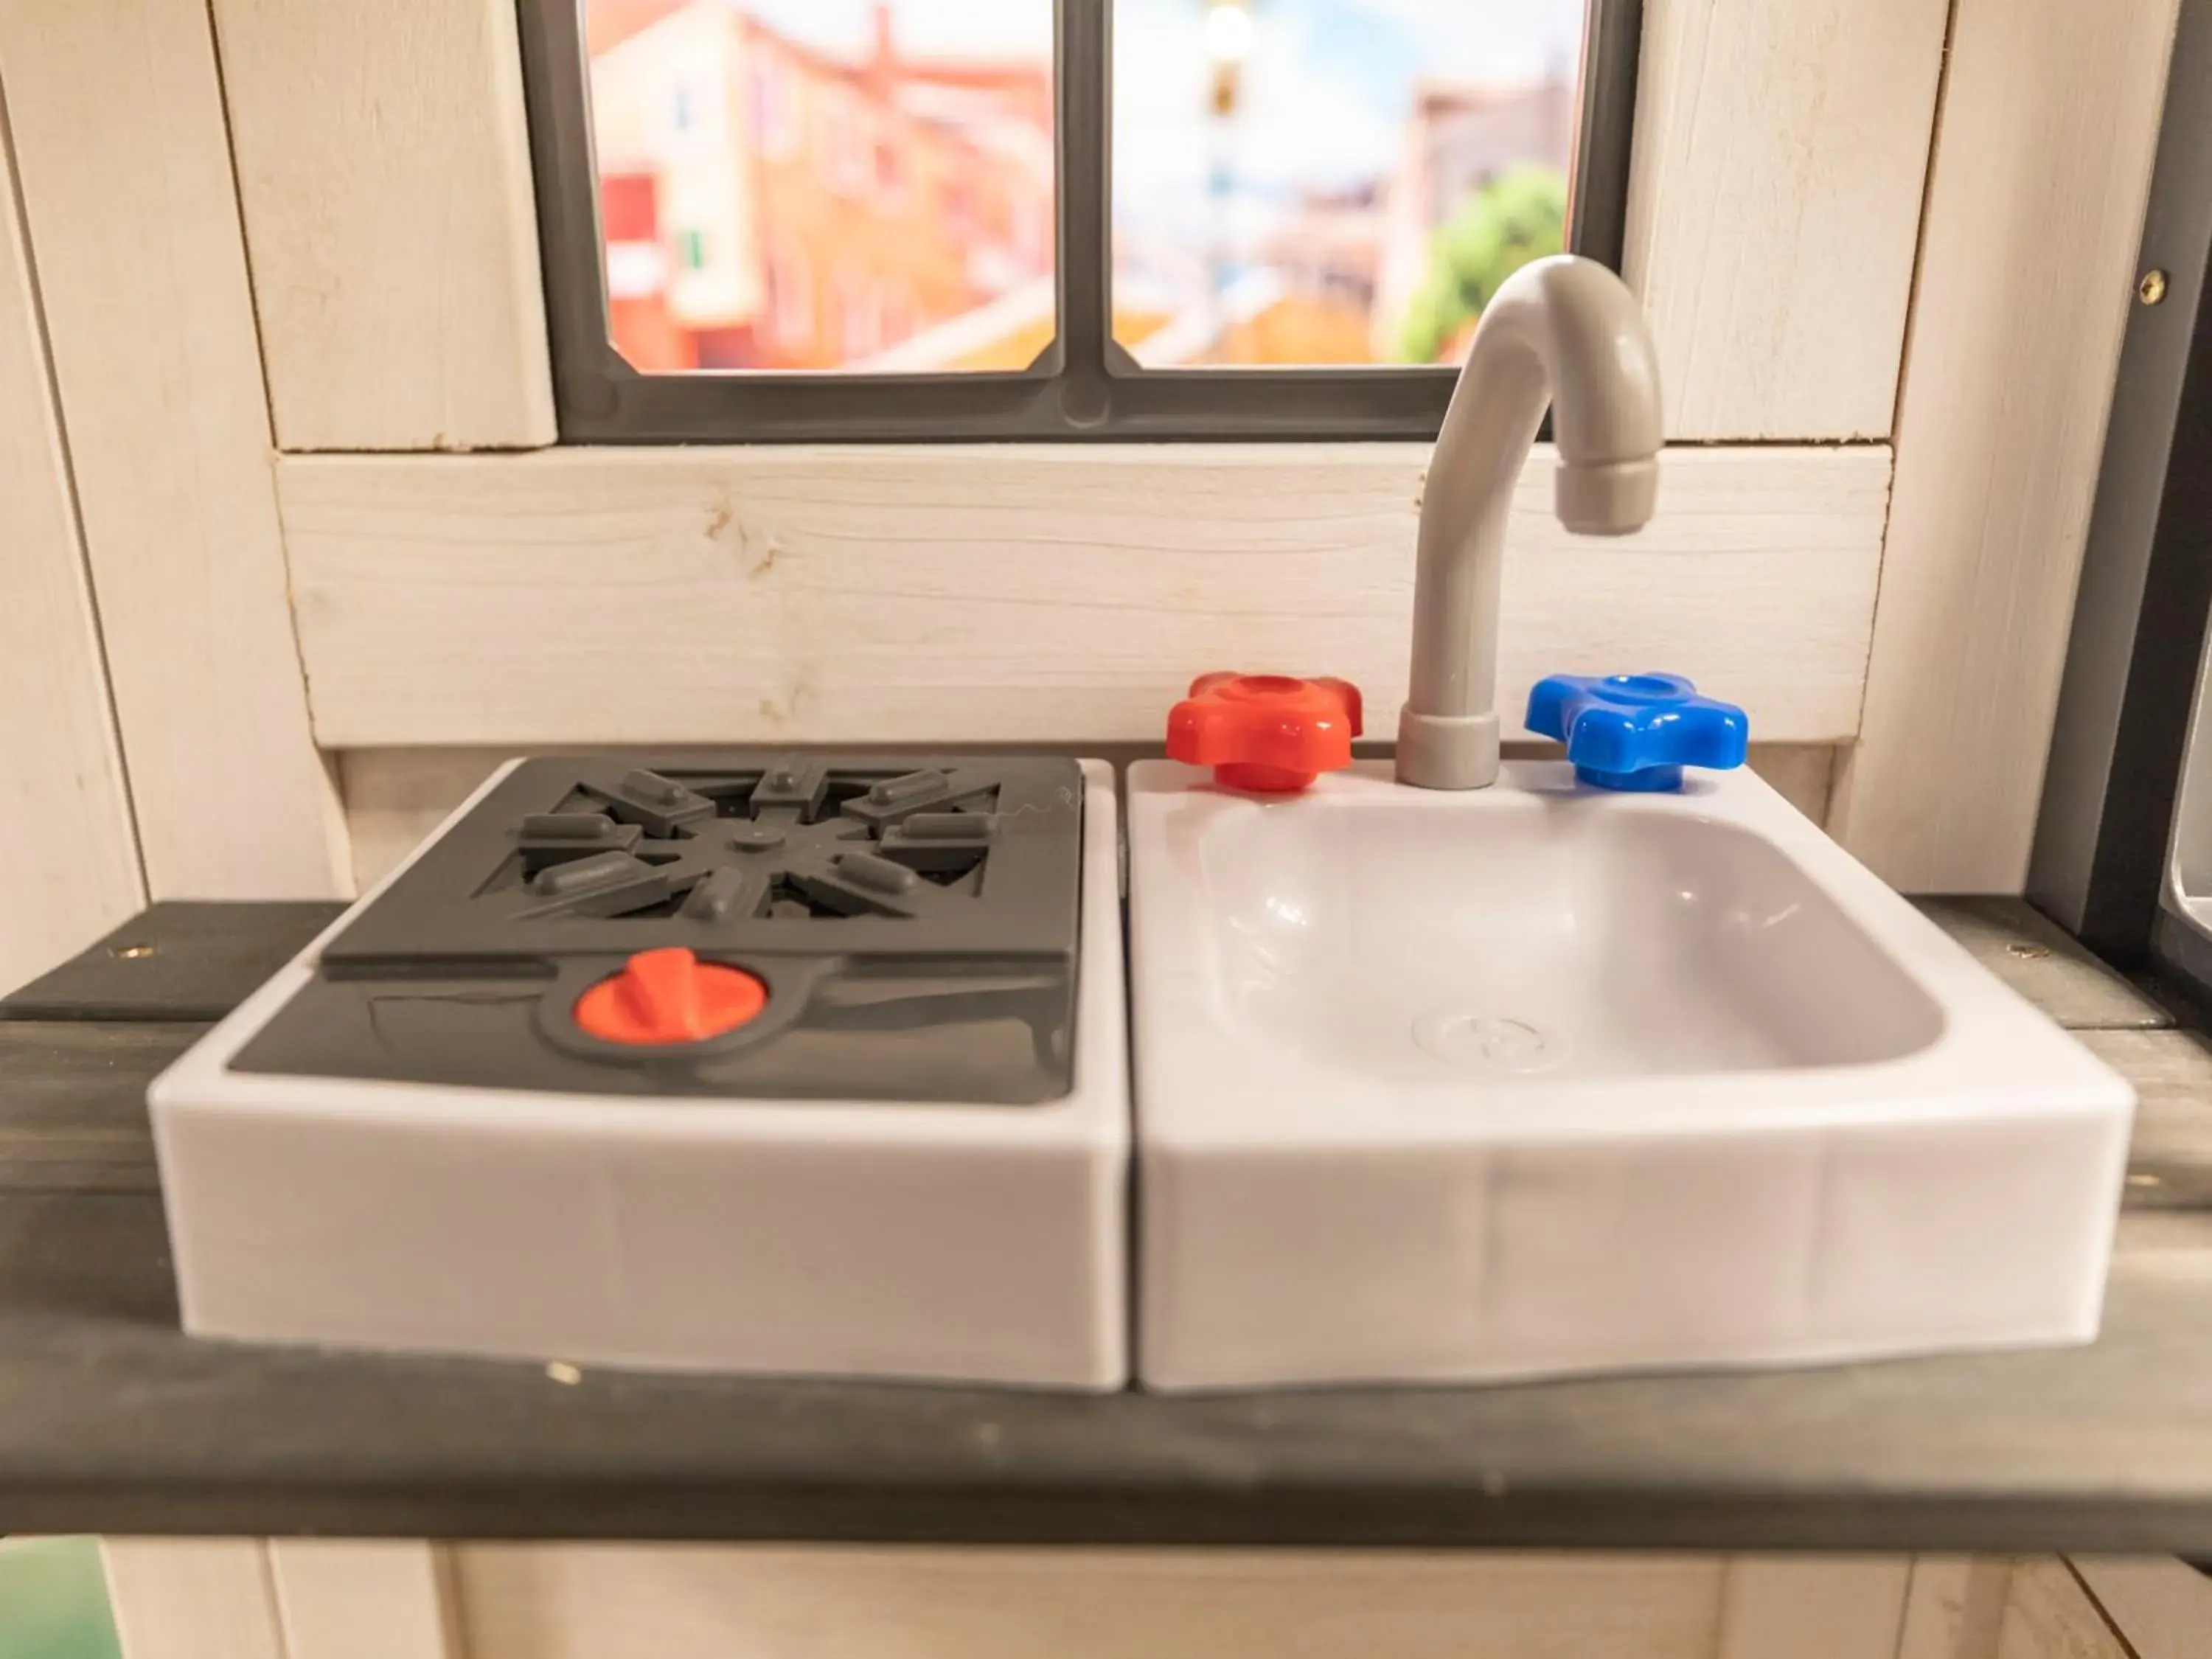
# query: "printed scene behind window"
867,186
797,184
1332,181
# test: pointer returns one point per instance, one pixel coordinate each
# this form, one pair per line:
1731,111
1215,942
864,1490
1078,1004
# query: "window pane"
1332,181
793,185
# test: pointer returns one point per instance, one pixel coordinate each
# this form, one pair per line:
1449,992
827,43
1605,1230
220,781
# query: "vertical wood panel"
1774,208
2049,1616
2035,204
1801,773
385,1599
2161,1606
2002,1608
118,121
69,860
384,169
1813,1607
192,1598
1954,1607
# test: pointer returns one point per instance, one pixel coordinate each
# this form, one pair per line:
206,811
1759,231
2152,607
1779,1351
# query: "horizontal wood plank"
117,1423
614,1602
2170,1158
813,595
73,1103
2042,962
180,959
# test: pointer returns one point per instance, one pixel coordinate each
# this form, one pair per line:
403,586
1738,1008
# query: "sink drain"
1489,1043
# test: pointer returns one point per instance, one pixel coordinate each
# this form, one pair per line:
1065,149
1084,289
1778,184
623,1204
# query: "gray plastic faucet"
1563,330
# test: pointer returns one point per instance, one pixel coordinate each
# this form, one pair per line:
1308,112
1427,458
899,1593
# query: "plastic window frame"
1083,387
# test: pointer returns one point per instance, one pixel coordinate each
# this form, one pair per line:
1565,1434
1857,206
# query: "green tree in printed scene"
1519,215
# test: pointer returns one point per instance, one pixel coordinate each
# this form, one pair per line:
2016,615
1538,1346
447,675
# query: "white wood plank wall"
69,854
115,111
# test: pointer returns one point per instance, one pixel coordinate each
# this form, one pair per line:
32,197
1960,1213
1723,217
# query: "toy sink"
714,1059
1545,1078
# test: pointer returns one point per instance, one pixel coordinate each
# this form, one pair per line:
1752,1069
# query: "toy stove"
704,1059
854,931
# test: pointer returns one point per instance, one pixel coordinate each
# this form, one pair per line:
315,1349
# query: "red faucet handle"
1268,733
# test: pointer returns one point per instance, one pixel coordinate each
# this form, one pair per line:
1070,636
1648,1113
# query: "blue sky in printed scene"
1326,91
1327,84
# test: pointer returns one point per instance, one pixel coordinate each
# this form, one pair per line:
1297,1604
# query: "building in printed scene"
1458,139
1327,253
1331,278
767,205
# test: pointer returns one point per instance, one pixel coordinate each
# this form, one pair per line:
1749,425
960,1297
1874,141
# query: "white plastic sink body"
1542,1080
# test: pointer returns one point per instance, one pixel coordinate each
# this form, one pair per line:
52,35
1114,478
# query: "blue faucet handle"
1636,731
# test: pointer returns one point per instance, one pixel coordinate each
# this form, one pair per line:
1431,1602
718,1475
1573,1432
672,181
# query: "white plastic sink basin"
1539,1080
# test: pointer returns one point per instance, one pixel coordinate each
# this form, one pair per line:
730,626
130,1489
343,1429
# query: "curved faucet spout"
1563,330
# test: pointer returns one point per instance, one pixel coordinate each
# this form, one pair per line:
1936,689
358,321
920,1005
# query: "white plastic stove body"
978,1244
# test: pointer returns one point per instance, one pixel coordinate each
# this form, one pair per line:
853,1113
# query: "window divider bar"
1084,126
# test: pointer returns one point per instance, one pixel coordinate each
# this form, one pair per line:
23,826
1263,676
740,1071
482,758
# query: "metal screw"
2028,952
2151,289
133,952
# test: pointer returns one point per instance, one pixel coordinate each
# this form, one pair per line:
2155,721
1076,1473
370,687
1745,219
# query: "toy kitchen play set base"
772,1063
760,1063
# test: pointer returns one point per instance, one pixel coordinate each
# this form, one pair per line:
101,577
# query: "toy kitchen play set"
1435,1069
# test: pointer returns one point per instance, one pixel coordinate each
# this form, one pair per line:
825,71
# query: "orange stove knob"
669,996
1266,733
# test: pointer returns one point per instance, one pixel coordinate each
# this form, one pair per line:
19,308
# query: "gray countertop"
111,1421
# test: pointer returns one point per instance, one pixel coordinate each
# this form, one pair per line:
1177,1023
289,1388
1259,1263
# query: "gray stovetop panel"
915,920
